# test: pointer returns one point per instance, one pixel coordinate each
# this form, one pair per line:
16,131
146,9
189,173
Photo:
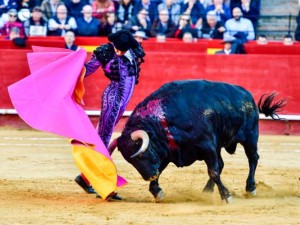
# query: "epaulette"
104,53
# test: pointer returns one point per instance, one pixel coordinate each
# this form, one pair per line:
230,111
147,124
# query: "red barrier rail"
171,45
258,73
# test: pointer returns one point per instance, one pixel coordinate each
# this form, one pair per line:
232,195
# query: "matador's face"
118,52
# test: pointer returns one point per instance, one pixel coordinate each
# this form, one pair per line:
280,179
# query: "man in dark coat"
211,28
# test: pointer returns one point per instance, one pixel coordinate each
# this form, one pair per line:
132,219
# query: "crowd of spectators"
205,19
188,20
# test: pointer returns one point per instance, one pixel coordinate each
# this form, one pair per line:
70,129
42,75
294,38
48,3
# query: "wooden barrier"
258,73
272,49
171,45
44,42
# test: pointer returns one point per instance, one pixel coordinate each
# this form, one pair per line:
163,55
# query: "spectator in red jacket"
185,25
12,22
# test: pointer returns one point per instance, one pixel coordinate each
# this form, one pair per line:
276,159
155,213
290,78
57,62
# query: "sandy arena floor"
37,187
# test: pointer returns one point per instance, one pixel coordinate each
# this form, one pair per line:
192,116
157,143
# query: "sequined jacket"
105,57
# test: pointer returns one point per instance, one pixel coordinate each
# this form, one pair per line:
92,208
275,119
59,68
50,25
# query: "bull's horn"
140,134
112,146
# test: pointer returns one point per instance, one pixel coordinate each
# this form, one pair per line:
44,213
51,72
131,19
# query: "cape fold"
50,100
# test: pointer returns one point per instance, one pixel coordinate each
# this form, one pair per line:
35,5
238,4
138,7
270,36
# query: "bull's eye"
138,142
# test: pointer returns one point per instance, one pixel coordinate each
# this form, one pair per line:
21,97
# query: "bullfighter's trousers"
115,98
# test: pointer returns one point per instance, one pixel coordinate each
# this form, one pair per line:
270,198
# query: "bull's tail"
269,107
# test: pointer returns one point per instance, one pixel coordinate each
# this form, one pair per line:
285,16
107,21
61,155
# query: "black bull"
185,121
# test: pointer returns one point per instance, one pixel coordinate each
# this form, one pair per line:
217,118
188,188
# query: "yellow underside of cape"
98,169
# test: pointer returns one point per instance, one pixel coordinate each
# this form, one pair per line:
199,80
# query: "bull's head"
137,149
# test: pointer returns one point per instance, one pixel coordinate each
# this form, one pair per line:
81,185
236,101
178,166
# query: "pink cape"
48,101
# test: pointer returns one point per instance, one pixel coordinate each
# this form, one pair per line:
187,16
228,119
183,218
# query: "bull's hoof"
253,193
228,200
159,197
250,194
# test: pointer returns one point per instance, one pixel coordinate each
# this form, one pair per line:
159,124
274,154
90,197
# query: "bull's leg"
154,187
214,174
156,191
252,155
209,187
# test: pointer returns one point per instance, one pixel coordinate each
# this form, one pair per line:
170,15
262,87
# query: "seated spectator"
87,25
253,4
75,7
28,4
297,32
14,33
287,40
139,22
228,46
110,25
101,7
69,41
16,38
221,9
148,5
239,27
5,6
49,8
163,24
187,37
262,39
185,26
61,22
206,3
212,29
161,38
140,36
24,14
3,20
249,11
124,10
173,8
36,25
195,9
12,22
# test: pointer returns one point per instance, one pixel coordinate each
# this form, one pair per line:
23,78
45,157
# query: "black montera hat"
123,40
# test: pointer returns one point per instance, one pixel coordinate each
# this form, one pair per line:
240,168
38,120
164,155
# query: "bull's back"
201,95
196,106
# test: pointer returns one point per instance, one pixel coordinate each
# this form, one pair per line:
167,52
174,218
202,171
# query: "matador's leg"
111,105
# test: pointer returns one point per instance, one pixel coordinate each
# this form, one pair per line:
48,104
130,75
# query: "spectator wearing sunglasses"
185,25
12,22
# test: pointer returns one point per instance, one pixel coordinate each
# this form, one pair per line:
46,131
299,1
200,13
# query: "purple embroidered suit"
123,72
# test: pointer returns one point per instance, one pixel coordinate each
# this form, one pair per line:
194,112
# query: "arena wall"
260,73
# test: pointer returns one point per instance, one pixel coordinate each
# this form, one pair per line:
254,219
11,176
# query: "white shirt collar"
227,52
